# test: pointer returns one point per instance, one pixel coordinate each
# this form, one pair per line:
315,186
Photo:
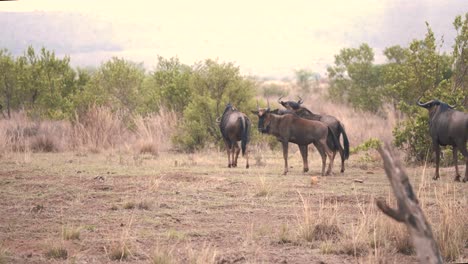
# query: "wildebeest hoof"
457,178
465,179
342,170
435,178
229,166
247,166
306,169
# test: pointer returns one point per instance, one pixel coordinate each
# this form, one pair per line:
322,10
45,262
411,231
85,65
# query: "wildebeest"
336,126
291,128
447,127
235,126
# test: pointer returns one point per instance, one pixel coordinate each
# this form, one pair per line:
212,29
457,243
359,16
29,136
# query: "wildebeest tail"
345,140
245,128
333,139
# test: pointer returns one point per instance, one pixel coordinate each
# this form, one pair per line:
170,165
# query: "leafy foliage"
214,85
423,72
355,80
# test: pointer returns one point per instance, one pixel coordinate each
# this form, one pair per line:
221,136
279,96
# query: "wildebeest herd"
297,124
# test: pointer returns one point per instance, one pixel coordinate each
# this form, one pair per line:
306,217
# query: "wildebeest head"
434,106
291,105
264,118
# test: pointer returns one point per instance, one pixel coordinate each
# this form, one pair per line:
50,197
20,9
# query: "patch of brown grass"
206,255
153,132
57,253
318,226
119,251
71,233
451,229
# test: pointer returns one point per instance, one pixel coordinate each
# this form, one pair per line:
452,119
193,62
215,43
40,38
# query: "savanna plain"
140,201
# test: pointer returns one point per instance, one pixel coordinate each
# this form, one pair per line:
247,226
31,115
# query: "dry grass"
118,251
57,253
263,188
360,126
318,226
162,256
451,229
154,132
94,131
206,255
71,233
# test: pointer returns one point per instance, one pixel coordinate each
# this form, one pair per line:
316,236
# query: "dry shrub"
360,126
206,255
15,132
451,229
21,134
119,251
98,128
57,253
263,188
71,233
154,131
161,256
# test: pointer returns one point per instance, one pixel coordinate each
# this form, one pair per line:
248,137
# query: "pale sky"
265,38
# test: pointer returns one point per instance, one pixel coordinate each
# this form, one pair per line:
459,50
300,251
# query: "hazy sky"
266,38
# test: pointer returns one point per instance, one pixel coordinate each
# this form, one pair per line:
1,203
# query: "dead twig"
408,211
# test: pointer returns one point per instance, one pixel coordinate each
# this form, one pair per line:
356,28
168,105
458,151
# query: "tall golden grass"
96,130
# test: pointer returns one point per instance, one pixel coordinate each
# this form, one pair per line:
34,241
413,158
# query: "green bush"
214,85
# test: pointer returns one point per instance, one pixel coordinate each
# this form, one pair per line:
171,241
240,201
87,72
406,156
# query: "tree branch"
408,210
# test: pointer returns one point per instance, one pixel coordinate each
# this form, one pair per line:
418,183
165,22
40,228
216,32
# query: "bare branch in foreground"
408,210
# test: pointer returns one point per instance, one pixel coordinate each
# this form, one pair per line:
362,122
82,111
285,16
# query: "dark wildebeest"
335,125
291,128
235,126
447,127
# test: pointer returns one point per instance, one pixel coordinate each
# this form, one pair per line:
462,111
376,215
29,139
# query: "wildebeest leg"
285,156
235,154
464,151
303,149
340,149
246,157
321,150
228,150
331,155
455,159
437,159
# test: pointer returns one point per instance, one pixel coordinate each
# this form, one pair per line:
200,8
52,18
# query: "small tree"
355,79
213,84
423,72
169,85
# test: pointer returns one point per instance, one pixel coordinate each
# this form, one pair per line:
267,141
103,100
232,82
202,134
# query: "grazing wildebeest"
447,127
291,128
235,126
336,126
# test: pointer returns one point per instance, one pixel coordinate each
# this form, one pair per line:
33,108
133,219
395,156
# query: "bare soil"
181,205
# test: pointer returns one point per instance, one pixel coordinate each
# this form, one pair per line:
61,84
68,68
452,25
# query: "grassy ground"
191,208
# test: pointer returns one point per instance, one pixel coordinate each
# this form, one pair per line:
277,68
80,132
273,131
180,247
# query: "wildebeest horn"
268,104
422,104
300,100
279,99
218,120
257,104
